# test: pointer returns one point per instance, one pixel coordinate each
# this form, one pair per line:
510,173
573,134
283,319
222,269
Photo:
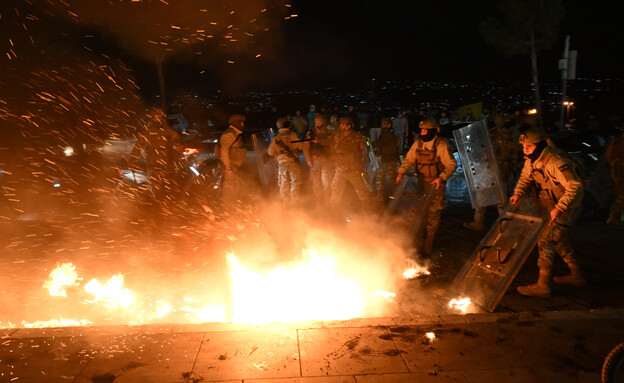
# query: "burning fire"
307,290
460,304
63,276
313,287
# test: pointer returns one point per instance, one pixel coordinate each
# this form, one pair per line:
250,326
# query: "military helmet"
532,136
346,120
282,122
429,124
236,117
322,117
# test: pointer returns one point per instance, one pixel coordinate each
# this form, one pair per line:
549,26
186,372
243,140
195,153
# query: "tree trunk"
538,100
161,81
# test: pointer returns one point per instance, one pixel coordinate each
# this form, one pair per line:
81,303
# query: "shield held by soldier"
481,171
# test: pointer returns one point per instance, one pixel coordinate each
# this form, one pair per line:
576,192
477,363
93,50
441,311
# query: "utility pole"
568,72
563,65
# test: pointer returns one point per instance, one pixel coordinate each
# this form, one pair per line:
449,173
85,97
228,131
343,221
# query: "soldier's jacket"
555,177
233,150
430,159
321,150
289,151
387,146
347,149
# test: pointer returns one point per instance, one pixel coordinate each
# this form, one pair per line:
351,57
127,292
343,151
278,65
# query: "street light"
568,104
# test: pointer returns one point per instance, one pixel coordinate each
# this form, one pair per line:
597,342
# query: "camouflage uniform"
232,156
286,153
431,160
322,171
347,148
615,159
562,189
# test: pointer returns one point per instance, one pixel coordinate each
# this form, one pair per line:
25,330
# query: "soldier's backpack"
217,147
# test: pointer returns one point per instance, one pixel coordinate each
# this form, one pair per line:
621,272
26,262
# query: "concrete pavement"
565,346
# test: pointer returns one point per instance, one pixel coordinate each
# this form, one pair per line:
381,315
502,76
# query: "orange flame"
460,304
61,277
112,293
309,290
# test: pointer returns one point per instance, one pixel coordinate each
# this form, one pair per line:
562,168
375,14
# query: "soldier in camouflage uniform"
232,155
387,147
162,148
615,159
506,154
286,153
322,170
561,189
433,163
348,150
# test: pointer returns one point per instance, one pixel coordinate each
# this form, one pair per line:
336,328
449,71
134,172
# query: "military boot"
575,278
479,218
539,289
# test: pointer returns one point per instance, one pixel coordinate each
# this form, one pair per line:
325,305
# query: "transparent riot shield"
501,253
410,203
259,151
371,168
479,163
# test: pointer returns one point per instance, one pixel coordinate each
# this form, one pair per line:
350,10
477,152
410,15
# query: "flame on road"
308,290
460,304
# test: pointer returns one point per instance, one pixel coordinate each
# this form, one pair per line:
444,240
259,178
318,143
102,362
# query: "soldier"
615,159
562,191
322,170
506,156
387,147
348,150
433,163
162,148
286,153
232,154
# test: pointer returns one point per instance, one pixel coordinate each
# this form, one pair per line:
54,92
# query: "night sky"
328,43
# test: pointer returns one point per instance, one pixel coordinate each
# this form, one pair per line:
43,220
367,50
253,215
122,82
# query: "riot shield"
371,168
501,253
479,163
410,201
262,167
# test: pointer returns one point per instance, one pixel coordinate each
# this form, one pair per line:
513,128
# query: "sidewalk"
565,346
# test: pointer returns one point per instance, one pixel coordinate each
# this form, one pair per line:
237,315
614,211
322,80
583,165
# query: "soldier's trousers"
386,177
435,210
555,240
341,177
289,180
322,175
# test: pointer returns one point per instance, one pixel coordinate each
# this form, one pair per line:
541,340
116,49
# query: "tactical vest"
428,163
547,188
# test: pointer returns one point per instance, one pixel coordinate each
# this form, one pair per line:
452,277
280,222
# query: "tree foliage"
510,29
